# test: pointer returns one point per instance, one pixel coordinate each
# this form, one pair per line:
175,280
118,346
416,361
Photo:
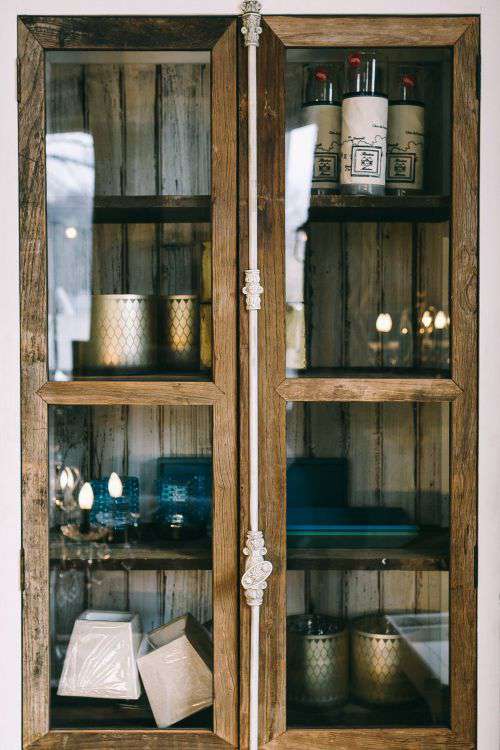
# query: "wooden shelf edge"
428,552
369,389
423,208
315,560
148,393
151,208
140,557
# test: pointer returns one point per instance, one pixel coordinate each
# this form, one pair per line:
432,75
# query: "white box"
175,662
101,657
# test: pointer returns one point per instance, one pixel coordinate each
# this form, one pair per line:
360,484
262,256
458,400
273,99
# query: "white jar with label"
364,127
322,108
405,138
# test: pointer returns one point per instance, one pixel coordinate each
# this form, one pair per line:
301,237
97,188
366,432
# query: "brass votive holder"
317,661
377,653
180,331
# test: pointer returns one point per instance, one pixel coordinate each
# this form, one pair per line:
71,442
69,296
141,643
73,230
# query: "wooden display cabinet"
134,185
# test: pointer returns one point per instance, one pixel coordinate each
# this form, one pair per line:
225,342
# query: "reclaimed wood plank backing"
396,293
141,175
185,125
104,118
326,294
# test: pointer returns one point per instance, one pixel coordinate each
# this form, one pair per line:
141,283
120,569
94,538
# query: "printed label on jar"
364,140
405,147
327,117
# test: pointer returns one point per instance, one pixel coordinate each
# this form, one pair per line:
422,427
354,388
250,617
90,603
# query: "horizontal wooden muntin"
148,393
369,389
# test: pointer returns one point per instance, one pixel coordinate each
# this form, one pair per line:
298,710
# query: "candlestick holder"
73,533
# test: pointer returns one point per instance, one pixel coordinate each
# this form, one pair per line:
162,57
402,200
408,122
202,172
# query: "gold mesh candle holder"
180,331
377,652
317,661
122,334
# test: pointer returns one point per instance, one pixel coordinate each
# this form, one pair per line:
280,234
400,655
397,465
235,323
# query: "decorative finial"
251,29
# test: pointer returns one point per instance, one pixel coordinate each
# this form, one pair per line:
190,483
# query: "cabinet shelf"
379,208
428,552
75,713
196,555
147,209
357,715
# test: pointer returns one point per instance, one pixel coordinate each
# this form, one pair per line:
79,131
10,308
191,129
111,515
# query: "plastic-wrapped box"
101,657
175,662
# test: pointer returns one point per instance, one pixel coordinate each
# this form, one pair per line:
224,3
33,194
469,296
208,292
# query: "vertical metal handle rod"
256,569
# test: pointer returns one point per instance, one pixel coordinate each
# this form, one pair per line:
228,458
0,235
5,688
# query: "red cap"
409,80
321,74
354,59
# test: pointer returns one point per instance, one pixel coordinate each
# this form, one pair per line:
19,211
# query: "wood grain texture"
372,31
369,389
272,485
369,739
129,740
33,373
225,470
399,589
151,393
116,98
127,32
464,300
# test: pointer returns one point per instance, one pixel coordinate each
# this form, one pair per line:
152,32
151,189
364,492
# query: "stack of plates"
349,527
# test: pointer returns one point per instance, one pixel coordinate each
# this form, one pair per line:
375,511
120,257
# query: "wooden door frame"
461,33
35,36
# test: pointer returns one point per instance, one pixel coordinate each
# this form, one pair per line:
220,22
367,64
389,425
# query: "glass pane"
367,259
368,536
131,584
128,212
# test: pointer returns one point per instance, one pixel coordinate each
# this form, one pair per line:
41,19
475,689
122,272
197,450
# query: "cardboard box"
175,663
101,657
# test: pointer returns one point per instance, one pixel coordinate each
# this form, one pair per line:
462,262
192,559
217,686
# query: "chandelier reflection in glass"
394,345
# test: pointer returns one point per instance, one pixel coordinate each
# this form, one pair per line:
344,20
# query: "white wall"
489,438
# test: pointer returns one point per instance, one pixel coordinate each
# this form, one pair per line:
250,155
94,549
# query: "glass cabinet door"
367,240
129,401
367,274
129,191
